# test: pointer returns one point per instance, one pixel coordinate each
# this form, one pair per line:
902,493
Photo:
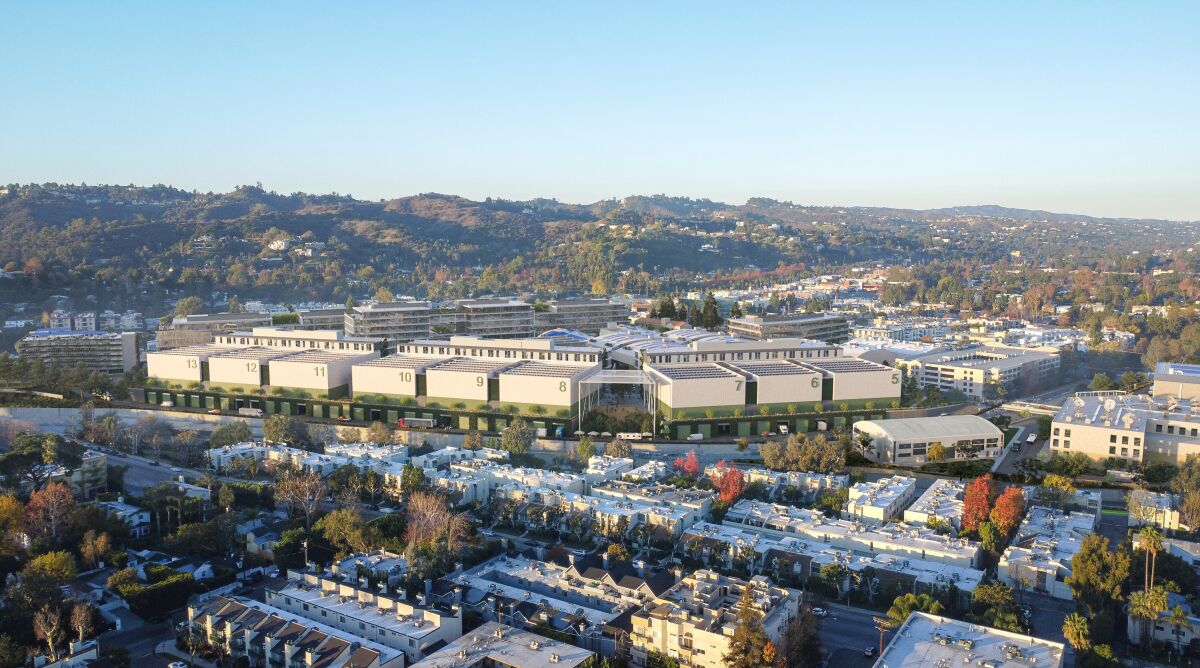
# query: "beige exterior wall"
789,389
884,383
235,371
543,390
384,380
702,392
468,386
310,375
174,367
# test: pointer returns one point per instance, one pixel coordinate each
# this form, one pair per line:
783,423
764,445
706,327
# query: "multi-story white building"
111,353
820,326
270,636
1132,427
1039,557
977,371
583,315
602,468
941,502
394,321
905,540
804,483
500,645
345,603
881,500
931,641
693,621
906,441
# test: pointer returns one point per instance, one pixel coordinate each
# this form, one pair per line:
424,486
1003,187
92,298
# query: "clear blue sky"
1077,107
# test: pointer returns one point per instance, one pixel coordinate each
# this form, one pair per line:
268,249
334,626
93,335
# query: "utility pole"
881,624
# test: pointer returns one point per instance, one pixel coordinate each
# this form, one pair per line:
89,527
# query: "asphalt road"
846,632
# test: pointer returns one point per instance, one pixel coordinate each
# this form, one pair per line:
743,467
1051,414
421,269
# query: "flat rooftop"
257,353
321,356
542,369
501,645
932,641
845,365
468,365
936,427
771,368
693,371
403,361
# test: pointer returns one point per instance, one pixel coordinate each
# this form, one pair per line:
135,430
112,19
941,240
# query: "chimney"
678,575
571,558
458,594
121,498
541,552
641,568
428,586
604,559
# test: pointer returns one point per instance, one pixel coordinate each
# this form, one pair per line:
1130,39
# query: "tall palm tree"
1077,632
1145,606
1150,540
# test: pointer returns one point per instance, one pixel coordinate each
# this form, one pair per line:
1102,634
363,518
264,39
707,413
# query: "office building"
201,328
820,326
395,321
981,372
111,353
907,441
1138,429
583,315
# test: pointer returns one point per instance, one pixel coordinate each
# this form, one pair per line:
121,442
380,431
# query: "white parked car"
820,612
695,437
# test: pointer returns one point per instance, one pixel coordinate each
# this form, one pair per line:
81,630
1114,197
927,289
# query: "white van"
695,437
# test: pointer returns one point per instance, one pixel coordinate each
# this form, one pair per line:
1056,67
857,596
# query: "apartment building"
345,602
386,460
111,353
904,540
907,441
1139,429
747,552
602,468
804,484
941,502
1039,557
903,331
84,321
495,645
932,641
698,503
881,500
269,636
692,621
395,321
980,371
819,326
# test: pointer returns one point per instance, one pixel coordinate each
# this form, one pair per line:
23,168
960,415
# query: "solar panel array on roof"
468,365
318,356
202,349
845,365
531,368
252,353
771,368
402,361
694,371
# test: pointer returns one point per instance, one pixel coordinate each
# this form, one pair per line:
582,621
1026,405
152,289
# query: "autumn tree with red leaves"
1009,508
977,502
732,485
689,466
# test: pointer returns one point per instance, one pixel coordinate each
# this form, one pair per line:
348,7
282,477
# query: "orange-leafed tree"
977,502
1009,508
49,510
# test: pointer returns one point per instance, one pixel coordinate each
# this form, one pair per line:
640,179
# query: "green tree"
991,538
58,567
749,639
909,603
585,450
1145,606
1098,575
285,429
1077,632
710,314
411,478
1150,541
229,433
517,438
